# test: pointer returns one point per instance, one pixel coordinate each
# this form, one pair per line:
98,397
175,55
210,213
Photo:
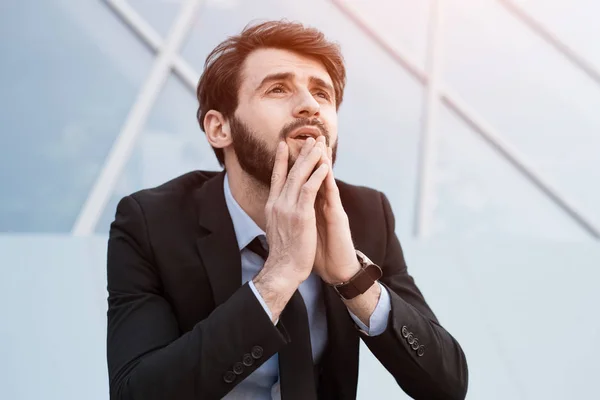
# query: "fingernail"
280,146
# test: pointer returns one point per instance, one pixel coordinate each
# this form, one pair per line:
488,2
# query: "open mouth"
306,132
302,137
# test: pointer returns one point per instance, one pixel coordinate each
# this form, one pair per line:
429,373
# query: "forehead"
263,62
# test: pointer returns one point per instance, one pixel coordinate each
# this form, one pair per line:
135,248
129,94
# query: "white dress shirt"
263,383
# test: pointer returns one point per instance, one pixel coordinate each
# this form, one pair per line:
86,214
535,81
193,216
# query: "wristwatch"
361,282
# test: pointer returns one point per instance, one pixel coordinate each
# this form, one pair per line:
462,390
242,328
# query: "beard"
257,158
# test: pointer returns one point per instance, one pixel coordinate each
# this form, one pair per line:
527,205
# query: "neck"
250,194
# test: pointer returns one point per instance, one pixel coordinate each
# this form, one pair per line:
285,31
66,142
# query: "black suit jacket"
179,318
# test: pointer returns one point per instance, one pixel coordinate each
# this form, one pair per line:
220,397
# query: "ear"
217,129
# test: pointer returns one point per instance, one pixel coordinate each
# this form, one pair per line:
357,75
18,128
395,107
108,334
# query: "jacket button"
257,352
238,368
405,331
229,377
410,338
247,360
421,351
414,345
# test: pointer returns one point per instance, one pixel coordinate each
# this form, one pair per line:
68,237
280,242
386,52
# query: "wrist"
274,281
344,275
275,290
367,275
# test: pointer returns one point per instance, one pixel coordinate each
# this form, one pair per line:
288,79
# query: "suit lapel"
218,248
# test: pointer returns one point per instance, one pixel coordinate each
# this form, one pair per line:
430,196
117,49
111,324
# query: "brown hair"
219,84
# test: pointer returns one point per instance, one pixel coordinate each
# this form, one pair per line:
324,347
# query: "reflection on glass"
402,24
479,195
171,144
69,74
160,14
573,21
531,94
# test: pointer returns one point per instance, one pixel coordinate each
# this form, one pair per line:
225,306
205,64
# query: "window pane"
573,21
170,145
403,24
160,14
540,103
480,195
69,74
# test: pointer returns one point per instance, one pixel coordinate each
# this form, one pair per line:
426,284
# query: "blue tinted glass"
402,24
170,144
540,103
479,194
160,14
574,22
69,74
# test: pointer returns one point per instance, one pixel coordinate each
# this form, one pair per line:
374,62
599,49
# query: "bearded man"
257,282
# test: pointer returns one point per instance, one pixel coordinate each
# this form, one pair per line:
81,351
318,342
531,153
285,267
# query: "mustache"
302,122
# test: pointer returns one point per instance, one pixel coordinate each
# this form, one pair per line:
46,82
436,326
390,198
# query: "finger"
307,147
330,186
308,192
304,151
321,139
301,171
279,174
324,160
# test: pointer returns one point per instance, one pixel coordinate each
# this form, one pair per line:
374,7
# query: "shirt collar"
245,228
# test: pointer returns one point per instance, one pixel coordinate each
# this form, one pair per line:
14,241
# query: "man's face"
281,94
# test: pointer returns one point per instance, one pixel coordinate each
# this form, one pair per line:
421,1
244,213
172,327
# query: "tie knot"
257,247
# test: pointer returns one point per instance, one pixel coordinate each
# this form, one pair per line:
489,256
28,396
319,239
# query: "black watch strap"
362,281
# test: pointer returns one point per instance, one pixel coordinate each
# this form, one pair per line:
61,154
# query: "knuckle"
307,189
278,209
296,217
292,178
269,207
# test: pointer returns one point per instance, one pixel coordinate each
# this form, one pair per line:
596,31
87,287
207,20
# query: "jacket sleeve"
148,356
426,361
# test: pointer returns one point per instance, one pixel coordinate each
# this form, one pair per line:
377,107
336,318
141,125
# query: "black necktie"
296,368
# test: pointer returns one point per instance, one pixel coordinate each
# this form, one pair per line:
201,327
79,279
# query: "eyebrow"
320,82
283,76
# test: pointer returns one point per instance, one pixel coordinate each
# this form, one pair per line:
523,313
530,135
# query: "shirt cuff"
261,300
379,319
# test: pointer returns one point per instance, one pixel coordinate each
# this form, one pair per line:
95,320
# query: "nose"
307,106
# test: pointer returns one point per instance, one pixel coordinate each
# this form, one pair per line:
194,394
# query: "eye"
323,94
277,89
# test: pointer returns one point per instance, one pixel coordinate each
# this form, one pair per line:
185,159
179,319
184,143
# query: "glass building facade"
480,120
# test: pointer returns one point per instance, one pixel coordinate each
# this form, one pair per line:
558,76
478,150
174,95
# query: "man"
257,282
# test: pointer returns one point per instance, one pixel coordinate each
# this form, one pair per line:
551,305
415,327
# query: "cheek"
333,134
329,115
269,120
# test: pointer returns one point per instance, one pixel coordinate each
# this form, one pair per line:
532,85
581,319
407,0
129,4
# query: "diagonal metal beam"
459,107
151,38
510,153
125,142
546,34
